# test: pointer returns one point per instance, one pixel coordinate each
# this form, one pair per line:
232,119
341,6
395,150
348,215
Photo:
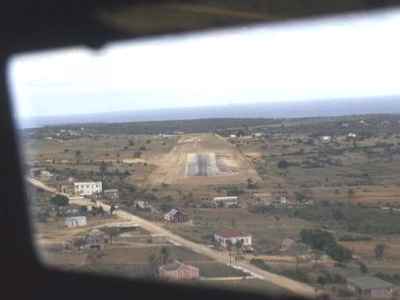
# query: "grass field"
134,261
267,232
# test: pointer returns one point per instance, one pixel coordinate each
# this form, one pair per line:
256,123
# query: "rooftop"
229,233
172,266
175,266
369,282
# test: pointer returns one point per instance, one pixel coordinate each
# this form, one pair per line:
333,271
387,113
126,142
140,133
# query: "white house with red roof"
226,236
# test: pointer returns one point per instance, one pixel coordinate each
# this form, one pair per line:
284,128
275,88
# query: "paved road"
202,161
281,281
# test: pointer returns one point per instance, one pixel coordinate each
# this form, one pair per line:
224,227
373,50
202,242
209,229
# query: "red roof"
230,233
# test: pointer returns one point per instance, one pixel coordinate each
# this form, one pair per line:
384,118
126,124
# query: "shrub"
296,275
325,241
344,292
59,200
283,164
261,264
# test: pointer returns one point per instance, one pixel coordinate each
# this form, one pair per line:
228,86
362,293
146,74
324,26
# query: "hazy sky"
351,56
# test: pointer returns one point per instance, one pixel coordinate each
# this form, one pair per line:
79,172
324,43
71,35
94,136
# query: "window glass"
265,157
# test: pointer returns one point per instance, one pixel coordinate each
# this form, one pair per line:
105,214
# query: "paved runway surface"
201,164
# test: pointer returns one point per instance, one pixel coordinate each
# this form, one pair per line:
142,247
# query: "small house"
88,188
40,172
111,194
232,236
175,216
263,198
178,271
352,135
66,188
287,244
371,287
75,221
96,239
326,139
142,204
228,201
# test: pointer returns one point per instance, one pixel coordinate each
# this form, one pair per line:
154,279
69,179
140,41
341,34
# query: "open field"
253,285
287,175
268,233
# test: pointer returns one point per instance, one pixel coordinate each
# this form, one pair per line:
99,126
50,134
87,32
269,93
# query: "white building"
326,139
228,201
222,237
352,135
75,221
88,188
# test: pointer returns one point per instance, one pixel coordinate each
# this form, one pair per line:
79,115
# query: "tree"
300,197
363,267
325,241
112,209
83,210
137,154
239,246
165,255
379,251
103,169
59,200
111,231
78,243
322,280
153,261
229,246
251,184
283,164
350,195
78,155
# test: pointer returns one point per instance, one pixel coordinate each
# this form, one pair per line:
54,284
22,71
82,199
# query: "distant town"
295,206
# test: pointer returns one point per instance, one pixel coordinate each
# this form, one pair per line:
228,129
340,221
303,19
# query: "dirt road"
281,281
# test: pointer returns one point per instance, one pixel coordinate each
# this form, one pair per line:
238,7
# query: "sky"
351,56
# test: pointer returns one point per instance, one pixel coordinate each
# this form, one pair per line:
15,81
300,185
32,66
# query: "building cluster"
91,189
76,221
94,239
